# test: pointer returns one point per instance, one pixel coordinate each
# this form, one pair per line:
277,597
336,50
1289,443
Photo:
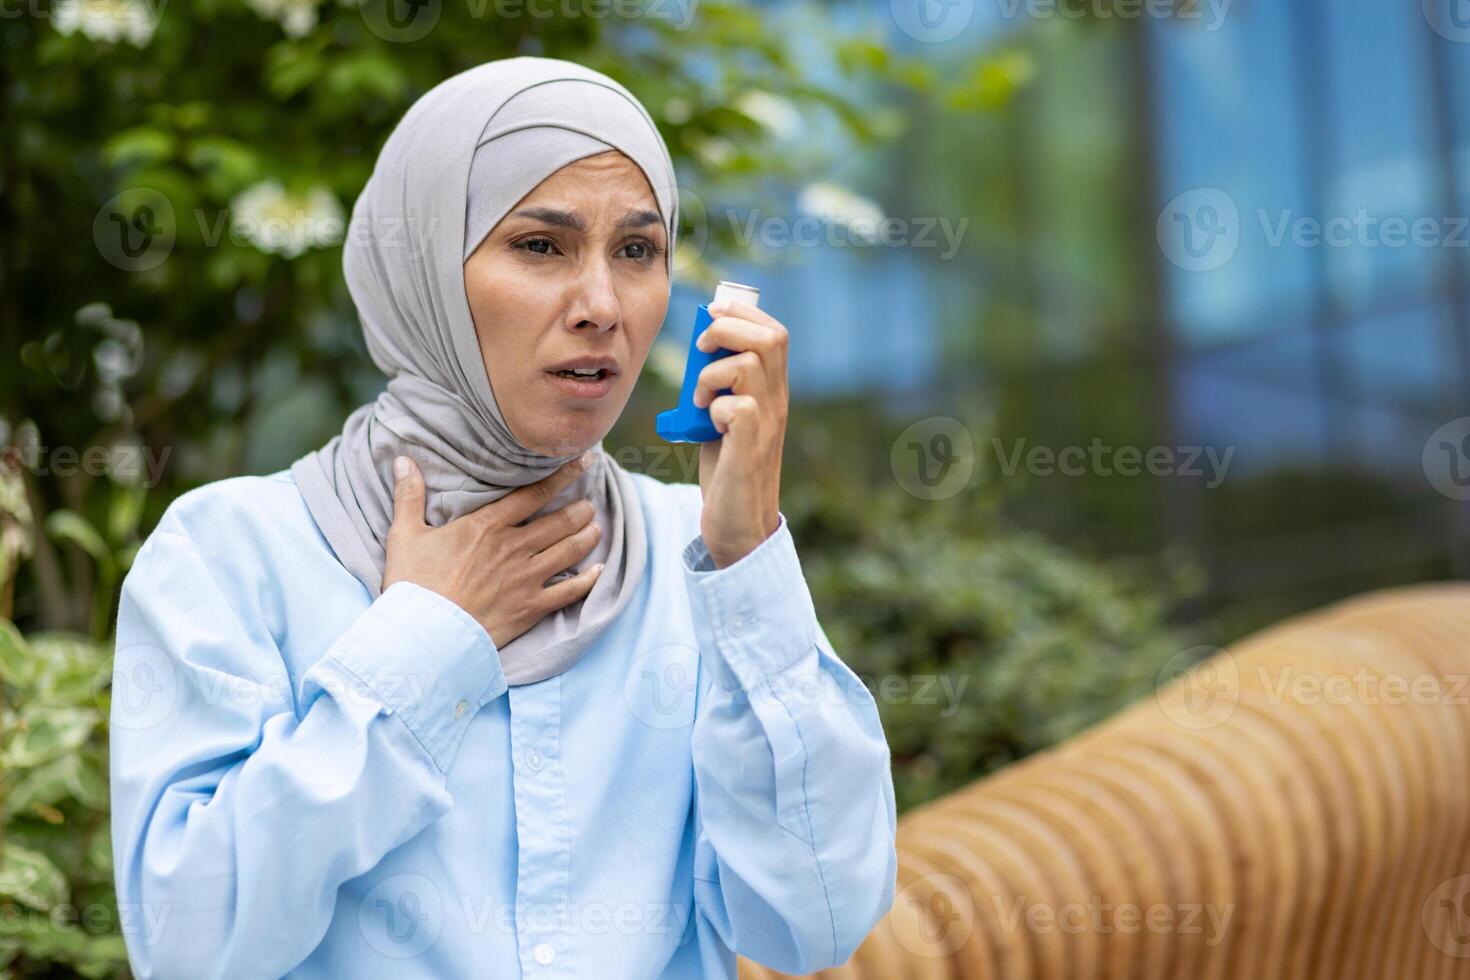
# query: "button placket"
543,840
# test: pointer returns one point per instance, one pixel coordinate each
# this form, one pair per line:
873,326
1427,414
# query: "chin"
563,432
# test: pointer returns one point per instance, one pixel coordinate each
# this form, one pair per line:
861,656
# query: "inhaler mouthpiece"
738,292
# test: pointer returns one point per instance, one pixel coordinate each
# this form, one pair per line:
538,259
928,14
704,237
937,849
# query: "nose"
596,309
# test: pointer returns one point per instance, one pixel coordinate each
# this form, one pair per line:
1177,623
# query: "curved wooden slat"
1318,817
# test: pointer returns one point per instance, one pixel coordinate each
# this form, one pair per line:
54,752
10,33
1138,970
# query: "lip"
589,388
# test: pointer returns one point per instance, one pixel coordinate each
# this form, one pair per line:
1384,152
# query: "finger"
522,502
408,496
742,373
562,523
734,333
743,310
568,551
568,591
730,412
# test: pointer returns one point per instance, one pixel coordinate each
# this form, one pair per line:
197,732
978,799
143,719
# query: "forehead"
606,178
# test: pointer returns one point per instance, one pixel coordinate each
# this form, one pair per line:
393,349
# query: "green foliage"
236,352
56,901
57,909
981,643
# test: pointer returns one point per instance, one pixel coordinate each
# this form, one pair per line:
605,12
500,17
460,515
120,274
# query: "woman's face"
572,278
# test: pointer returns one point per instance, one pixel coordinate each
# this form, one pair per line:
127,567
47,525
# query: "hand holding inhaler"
734,403
687,422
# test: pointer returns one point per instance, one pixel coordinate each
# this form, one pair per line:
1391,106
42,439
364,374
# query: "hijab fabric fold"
458,161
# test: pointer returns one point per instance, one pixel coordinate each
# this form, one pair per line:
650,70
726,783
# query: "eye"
645,249
526,244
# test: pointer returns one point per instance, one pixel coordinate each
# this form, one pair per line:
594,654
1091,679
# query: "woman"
451,697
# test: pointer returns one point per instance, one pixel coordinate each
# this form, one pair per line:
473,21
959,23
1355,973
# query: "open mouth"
584,382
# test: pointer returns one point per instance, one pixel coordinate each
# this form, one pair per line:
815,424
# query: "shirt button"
461,708
737,627
533,763
544,953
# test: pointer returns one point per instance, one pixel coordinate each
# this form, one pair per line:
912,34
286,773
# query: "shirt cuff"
756,613
422,657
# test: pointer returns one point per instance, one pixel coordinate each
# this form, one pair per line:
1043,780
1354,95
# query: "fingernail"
400,466
717,309
586,459
599,566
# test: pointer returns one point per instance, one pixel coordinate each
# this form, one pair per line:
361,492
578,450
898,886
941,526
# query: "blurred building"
1239,225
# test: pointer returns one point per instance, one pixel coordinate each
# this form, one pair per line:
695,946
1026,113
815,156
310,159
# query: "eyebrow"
636,218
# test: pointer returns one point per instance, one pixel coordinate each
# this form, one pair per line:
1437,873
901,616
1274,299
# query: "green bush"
57,911
980,642
58,914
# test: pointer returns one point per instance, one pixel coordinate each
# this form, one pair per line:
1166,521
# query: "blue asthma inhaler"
685,422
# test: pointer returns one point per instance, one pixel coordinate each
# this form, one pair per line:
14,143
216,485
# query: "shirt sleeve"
795,859
239,805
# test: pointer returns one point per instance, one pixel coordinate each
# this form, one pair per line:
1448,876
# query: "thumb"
408,495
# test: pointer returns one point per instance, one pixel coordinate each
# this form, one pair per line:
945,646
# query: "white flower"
837,205
773,112
118,353
106,20
286,224
297,17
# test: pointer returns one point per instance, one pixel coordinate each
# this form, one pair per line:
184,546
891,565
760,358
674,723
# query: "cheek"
498,307
649,320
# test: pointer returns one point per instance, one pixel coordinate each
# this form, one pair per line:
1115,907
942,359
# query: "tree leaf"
68,525
17,664
30,878
48,733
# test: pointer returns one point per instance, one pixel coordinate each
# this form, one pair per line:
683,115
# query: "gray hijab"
460,158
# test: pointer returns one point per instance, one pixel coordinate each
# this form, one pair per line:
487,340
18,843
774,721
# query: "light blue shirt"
307,783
